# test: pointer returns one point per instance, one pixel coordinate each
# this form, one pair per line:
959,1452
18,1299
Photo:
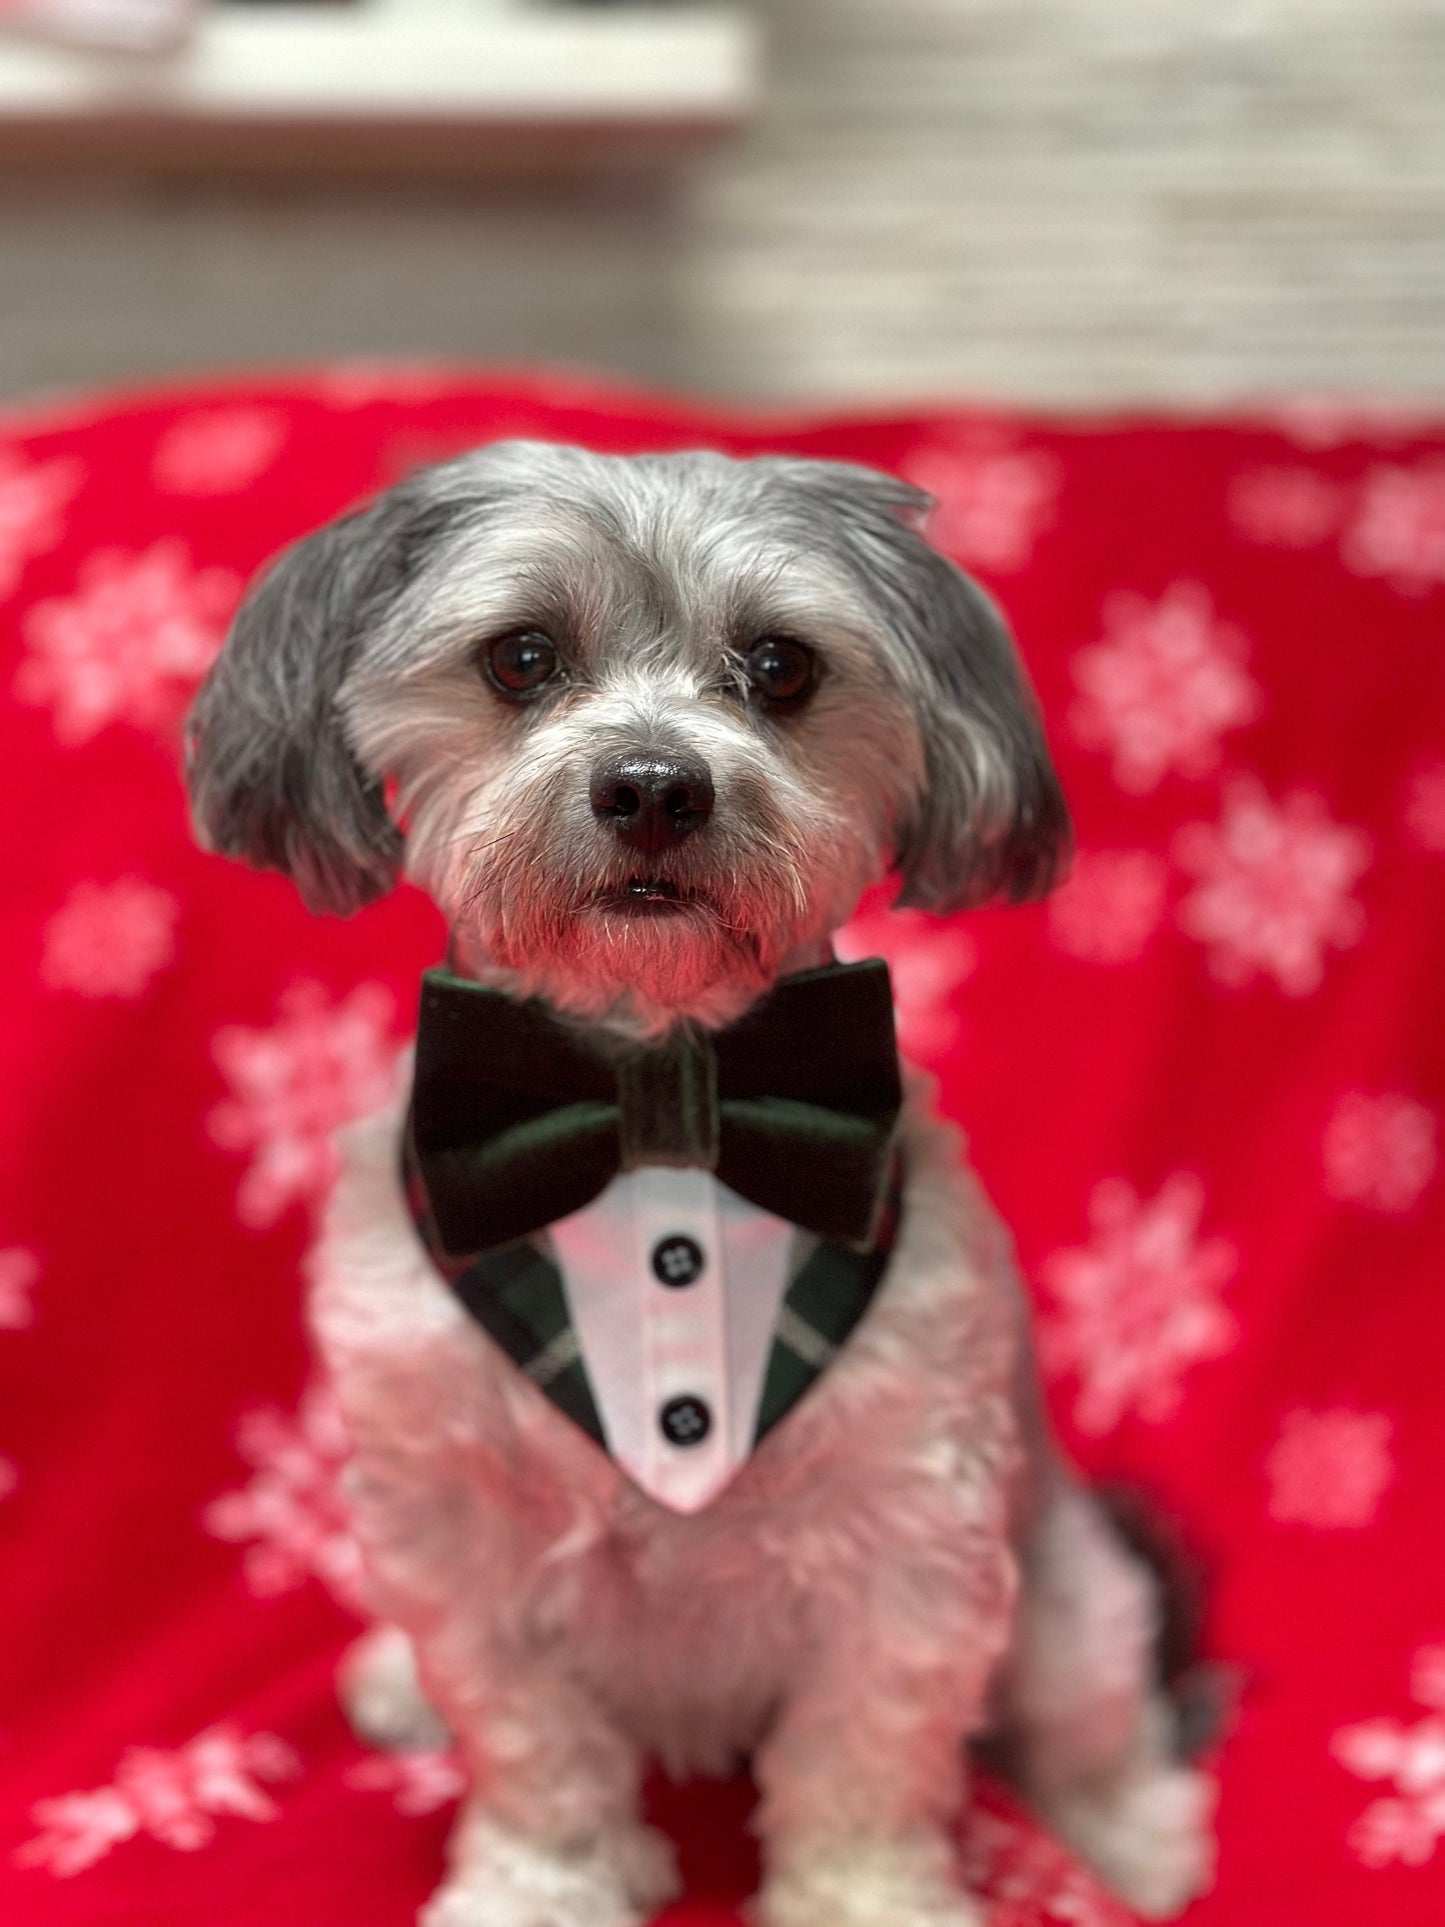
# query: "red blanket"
1205,1084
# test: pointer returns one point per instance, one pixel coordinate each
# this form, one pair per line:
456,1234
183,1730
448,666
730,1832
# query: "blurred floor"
1065,200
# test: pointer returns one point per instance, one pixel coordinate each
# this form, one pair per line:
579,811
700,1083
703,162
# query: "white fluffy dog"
645,729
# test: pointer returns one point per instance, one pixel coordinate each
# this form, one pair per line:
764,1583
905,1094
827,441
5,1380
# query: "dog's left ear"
990,819
272,777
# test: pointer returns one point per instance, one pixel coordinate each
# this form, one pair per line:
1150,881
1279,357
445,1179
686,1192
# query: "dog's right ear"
272,777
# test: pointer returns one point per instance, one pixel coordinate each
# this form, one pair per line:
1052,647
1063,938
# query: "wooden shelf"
404,82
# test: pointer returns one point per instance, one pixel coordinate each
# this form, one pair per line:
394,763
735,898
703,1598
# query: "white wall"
1076,200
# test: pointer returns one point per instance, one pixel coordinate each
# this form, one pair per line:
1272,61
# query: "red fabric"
1204,1084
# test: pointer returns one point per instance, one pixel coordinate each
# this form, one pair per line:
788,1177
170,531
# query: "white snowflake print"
110,939
360,383
19,1274
420,1779
1286,508
992,503
1405,1826
1379,1151
1325,421
175,1797
927,961
217,451
130,645
292,1517
1274,886
1136,1307
1110,905
1162,686
1424,813
33,497
1329,1469
1397,529
321,1065
1031,1881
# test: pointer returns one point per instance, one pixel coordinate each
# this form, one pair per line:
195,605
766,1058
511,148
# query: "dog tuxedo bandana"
672,1243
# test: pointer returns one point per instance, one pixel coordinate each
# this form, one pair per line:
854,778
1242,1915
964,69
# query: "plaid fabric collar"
517,1294
510,1281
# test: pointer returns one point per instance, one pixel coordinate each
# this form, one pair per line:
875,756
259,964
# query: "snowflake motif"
320,1066
1424,812
1161,688
1398,527
992,503
19,1273
1138,1305
172,1796
32,497
1427,1677
1286,508
1029,1880
1408,1827
110,939
292,1516
1274,883
1329,1469
420,1780
927,961
1110,906
216,451
1379,1151
362,382
130,645
1324,421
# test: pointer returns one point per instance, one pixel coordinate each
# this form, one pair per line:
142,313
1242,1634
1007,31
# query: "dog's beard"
637,969
546,902
637,944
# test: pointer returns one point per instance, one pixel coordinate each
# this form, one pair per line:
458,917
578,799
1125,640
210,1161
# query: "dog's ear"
990,819
272,778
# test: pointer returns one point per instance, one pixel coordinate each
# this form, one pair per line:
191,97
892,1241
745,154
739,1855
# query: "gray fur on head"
354,658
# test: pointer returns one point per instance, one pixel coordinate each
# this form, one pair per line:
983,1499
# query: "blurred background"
1065,201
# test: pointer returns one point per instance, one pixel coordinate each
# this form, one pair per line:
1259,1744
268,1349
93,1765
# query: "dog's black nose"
652,801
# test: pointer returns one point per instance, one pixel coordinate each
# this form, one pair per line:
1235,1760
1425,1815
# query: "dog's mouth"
649,896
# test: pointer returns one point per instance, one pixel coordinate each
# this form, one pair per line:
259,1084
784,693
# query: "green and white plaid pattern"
516,1293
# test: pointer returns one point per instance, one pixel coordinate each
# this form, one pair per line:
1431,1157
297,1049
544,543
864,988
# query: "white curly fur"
839,1612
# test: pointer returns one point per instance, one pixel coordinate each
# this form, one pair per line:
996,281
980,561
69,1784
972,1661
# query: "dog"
645,728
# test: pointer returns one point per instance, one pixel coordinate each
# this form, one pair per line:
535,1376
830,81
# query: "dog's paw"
503,1879
382,1694
645,1864
869,1883
1147,1835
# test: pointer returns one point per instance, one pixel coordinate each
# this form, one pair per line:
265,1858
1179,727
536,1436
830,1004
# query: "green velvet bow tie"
517,1121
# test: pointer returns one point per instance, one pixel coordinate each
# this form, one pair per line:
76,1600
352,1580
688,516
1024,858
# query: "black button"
685,1420
677,1260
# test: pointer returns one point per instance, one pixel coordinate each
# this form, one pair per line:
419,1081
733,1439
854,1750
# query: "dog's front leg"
863,1771
549,1836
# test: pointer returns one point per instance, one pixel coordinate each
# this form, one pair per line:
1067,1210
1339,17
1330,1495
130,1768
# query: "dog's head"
647,727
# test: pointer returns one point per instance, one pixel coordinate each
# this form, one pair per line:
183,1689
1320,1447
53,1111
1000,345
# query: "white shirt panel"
669,1360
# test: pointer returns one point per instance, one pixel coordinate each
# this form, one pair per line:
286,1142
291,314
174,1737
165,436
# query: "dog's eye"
519,663
781,670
